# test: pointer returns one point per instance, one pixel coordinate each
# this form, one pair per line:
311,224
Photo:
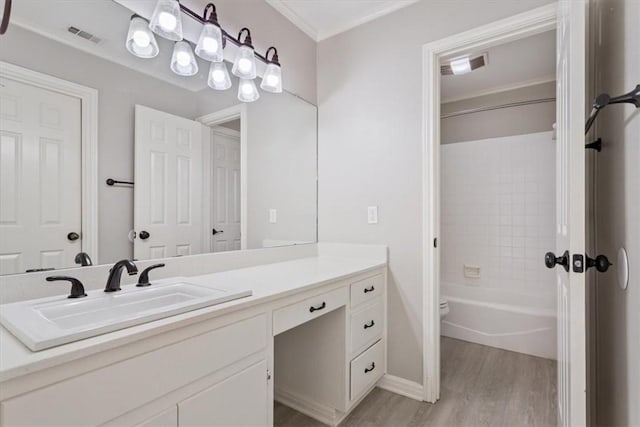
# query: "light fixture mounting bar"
228,37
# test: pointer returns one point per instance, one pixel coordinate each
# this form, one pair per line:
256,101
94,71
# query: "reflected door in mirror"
225,235
40,178
168,185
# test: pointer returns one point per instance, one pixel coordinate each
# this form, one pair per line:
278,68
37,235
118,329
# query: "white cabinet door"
40,178
226,191
570,216
168,185
168,418
240,400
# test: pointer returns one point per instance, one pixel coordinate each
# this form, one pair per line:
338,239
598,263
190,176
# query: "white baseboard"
402,386
322,413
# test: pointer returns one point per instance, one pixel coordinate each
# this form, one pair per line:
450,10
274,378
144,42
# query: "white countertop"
268,282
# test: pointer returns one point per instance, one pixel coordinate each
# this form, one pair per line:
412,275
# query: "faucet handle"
77,290
144,276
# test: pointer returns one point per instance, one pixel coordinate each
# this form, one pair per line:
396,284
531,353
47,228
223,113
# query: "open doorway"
497,220
224,174
225,180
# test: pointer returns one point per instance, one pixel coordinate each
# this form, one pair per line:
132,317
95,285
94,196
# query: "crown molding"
295,19
319,35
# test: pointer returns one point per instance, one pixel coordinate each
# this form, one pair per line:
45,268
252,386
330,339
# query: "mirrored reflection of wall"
282,180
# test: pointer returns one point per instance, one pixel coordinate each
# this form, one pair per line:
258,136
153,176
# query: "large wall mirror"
117,157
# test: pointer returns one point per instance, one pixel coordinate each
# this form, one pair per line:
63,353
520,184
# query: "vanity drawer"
366,289
366,369
366,325
296,314
98,396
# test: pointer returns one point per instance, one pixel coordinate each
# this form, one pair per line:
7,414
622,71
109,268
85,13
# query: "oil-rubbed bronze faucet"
115,274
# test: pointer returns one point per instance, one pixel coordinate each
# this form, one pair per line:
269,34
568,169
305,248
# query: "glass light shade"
219,78
140,40
247,91
245,64
183,61
166,21
209,45
272,79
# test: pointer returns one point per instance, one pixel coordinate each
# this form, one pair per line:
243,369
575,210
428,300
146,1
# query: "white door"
40,178
570,215
168,185
225,209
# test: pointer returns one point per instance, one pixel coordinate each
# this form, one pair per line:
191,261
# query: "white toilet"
444,308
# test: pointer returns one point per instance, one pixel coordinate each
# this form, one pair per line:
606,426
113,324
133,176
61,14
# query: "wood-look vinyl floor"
480,386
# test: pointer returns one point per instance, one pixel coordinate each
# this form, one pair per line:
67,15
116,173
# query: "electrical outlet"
273,216
372,214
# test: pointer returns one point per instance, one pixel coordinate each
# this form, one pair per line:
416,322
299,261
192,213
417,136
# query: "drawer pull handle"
373,366
369,325
320,307
371,289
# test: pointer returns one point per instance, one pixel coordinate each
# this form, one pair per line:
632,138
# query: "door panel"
40,178
226,192
570,215
168,190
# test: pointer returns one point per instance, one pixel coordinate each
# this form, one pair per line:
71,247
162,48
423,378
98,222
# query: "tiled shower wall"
498,212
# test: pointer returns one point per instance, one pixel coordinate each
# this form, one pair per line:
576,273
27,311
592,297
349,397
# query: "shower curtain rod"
496,107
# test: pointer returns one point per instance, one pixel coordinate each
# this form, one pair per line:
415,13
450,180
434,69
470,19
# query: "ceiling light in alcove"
464,65
166,21
460,66
140,40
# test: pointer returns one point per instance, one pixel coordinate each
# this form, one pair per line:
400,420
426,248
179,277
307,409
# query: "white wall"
282,170
498,213
370,146
503,122
618,214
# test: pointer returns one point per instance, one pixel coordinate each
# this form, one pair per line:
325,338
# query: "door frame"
525,24
88,142
216,118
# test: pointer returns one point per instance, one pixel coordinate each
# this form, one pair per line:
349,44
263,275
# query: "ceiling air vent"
467,65
85,35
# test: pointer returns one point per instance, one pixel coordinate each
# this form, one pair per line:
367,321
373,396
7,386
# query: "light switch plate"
372,214
273,216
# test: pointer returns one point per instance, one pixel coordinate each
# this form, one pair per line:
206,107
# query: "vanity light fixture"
244,66
219,78
210,45
247,91
183,62
166,21
272,79
140,40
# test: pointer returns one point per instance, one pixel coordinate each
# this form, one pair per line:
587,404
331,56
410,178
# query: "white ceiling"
516,64
321,19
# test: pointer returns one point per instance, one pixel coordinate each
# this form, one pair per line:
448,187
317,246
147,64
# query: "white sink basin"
48,322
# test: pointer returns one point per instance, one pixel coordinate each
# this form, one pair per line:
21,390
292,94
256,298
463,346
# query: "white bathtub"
503,319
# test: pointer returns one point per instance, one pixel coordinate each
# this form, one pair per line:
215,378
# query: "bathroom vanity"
312,335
